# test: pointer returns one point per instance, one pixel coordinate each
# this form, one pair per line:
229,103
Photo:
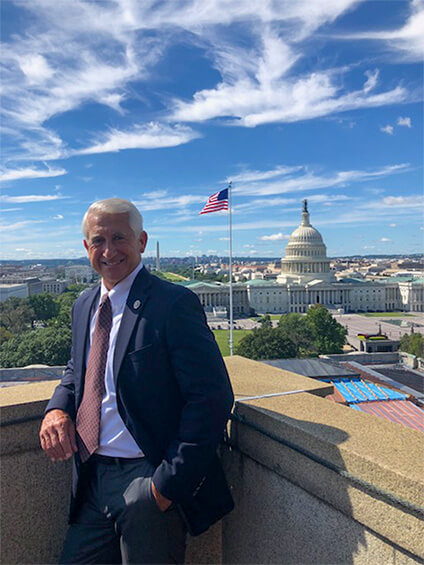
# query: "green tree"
76,288
328,336
4,334
46,346
413,344
295,327
45,306
265,321
63,318
16,315
266,343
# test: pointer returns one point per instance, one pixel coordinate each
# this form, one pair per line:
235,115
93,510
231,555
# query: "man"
142,404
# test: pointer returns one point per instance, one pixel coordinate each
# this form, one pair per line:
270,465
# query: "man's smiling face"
113,248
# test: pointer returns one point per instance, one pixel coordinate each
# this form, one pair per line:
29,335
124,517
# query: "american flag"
218,201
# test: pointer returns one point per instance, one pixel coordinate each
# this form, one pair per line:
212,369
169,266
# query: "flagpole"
230,267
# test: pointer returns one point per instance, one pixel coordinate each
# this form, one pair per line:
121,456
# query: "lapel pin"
136,304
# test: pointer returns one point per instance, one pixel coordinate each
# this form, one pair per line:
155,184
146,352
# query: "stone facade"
80,273
53,286
214,295
9,290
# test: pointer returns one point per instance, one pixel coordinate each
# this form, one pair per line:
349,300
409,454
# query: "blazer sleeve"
207,400
64,394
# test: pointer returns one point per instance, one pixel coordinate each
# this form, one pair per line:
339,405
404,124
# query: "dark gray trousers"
118,520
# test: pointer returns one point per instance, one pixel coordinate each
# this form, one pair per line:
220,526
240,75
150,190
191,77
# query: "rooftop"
314,368
402,412
395,373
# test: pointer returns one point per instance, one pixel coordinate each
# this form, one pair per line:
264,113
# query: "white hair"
115,206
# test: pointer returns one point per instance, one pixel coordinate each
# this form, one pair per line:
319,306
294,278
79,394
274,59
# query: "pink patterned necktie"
89,411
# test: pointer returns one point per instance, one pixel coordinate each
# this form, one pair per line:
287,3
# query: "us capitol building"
306,279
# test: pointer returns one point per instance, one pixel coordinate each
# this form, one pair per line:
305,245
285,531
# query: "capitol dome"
306,255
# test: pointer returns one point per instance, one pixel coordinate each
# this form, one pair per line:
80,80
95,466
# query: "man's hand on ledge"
162,502
57,435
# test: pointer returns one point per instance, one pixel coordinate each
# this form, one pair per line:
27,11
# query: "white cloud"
58,217
406,121
30,173
372,79
35,68
148,136
154,194
307,180
31,198
18,225
375,191
79,52
252,101
252,206
385,239
387,129
392,225
275,237
415,201
252,176
407,40
162,200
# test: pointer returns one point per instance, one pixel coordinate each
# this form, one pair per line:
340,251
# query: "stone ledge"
370,450
26,393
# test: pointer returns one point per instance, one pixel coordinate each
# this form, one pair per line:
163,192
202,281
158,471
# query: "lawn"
222,336
173,277
383,314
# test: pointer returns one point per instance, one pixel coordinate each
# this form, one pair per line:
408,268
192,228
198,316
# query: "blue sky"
163,102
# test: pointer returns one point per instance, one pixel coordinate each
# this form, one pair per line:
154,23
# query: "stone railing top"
26,393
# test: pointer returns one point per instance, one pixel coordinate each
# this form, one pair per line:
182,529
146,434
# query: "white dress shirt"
115,439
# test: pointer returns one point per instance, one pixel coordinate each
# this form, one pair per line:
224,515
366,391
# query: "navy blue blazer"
173,392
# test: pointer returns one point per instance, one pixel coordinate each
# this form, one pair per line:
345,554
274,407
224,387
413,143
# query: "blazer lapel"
84,318
136,301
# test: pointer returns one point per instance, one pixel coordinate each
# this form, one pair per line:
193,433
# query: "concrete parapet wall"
35,492
276,521
317,482
381,358
313,481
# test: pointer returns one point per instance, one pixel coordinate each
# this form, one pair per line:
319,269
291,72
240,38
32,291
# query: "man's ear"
143,241
85,244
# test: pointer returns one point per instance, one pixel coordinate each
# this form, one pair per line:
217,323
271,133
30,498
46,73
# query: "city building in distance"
306,278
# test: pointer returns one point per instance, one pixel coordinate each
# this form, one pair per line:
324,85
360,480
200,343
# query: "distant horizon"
222,257
165,106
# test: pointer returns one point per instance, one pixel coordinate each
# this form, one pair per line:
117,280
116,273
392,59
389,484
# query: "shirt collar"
119,293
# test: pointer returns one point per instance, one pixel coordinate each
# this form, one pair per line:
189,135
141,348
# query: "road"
356,323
